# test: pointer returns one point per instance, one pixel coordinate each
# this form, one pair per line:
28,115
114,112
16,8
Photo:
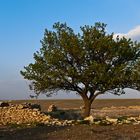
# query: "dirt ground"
79,132
71,104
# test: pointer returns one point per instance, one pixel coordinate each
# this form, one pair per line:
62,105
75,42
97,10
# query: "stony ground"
80,132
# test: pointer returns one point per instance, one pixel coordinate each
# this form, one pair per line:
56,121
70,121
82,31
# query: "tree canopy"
91,63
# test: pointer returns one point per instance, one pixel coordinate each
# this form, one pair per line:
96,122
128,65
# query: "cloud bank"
134,34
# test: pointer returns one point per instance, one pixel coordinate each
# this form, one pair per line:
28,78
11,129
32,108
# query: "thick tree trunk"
88,101
87,107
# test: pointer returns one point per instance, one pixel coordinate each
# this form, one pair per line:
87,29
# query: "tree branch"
95,95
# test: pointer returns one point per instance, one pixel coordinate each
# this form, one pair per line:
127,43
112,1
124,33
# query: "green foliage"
122,118
86,62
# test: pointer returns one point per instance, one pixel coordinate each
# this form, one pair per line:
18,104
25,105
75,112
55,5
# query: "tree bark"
87,108
88,102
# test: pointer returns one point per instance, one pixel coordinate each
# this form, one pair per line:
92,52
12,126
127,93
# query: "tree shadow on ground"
33,133
69,114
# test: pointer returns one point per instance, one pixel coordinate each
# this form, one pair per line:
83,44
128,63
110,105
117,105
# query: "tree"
91,63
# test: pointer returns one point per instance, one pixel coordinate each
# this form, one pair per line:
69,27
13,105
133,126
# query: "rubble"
24,114
30,114
15,114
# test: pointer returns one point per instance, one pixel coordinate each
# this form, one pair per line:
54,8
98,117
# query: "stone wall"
23,114
30,114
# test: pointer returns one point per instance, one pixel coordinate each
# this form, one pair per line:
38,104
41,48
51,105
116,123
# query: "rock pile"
24,114
112,121
17,114
30,114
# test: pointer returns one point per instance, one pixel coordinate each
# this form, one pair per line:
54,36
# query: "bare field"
77,132
81,132
71,104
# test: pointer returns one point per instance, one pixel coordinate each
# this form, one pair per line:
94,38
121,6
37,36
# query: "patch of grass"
83,122
122,118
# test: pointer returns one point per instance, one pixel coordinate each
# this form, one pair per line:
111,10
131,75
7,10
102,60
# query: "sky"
22,25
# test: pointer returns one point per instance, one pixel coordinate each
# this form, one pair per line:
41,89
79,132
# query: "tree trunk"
87,105
88,101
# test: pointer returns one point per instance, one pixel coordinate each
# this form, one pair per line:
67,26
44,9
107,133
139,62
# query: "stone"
132,119
90,119
52,108
112,120
126,122
20,106
98,122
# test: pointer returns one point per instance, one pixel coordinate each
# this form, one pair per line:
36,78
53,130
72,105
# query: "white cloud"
134,34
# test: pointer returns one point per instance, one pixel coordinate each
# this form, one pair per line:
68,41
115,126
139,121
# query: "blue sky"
22,24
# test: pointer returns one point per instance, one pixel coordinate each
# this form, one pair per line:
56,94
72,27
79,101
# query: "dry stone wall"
16,114
30,114
22,114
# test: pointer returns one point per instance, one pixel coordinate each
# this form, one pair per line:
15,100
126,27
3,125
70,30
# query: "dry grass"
71,104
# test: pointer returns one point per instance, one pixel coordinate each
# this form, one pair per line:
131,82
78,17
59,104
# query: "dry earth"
80,132
97,104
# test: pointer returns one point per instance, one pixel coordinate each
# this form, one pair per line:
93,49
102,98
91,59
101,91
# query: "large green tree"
90,63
